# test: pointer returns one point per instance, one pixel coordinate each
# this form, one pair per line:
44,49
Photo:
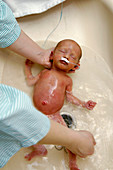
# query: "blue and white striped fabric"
9,28
21,125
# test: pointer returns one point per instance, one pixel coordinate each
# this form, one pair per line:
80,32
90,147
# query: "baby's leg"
72,157
58,118
38,150
72,161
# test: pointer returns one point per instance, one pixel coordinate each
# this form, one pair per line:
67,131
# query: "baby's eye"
62,51
72,55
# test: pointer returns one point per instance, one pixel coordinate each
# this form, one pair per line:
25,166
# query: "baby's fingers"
90,105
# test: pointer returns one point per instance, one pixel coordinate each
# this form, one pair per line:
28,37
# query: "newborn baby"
52,85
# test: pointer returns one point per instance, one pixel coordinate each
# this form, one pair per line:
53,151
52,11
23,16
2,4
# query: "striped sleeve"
9,28
21,125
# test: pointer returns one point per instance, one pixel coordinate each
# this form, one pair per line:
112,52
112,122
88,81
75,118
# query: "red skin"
51,87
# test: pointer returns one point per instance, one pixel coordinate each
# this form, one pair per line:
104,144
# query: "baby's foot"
40,150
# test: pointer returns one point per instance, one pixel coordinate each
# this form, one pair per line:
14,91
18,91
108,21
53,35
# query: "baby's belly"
48,104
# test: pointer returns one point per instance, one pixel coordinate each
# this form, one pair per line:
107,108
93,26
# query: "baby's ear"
77,67
51,56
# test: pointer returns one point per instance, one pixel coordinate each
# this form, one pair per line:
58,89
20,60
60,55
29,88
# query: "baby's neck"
58,70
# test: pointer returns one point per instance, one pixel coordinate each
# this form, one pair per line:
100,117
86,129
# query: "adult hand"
83,144
80,142
29,49
45,57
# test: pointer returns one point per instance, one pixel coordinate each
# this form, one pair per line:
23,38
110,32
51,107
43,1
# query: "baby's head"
66,55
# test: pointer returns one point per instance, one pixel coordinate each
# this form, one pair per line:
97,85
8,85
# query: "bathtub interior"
93,81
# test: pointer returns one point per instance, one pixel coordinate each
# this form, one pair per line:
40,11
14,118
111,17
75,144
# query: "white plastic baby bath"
89,23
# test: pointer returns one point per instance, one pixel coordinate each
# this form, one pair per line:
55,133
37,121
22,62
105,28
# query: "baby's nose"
66,56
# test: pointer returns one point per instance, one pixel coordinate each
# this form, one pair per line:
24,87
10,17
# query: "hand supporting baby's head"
66,56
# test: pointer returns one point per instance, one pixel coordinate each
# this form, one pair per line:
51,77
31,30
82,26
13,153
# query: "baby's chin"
71,71
66,70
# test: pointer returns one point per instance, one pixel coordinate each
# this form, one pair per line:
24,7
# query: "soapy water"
94,81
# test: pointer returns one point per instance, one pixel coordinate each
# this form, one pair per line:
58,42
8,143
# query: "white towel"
26,7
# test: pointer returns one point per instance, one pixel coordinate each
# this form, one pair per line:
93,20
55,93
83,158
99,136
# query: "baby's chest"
53,81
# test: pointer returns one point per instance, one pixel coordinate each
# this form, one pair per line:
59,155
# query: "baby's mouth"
63,62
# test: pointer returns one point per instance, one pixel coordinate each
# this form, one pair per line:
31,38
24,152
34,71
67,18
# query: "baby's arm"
31,80
72,99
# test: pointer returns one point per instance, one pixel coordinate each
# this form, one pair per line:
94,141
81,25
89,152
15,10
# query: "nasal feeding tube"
67,61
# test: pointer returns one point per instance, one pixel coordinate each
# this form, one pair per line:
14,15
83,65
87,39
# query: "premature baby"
53,85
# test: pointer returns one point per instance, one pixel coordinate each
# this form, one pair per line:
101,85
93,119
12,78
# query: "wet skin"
49,92
52,86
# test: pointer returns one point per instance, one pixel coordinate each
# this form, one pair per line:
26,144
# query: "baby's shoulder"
68,79
45,71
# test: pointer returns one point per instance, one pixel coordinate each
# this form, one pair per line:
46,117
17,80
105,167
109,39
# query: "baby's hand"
90,104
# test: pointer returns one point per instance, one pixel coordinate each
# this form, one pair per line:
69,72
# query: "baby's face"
66,56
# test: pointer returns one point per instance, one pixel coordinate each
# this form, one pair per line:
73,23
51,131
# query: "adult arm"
79,142
13,38
26,47
25,126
